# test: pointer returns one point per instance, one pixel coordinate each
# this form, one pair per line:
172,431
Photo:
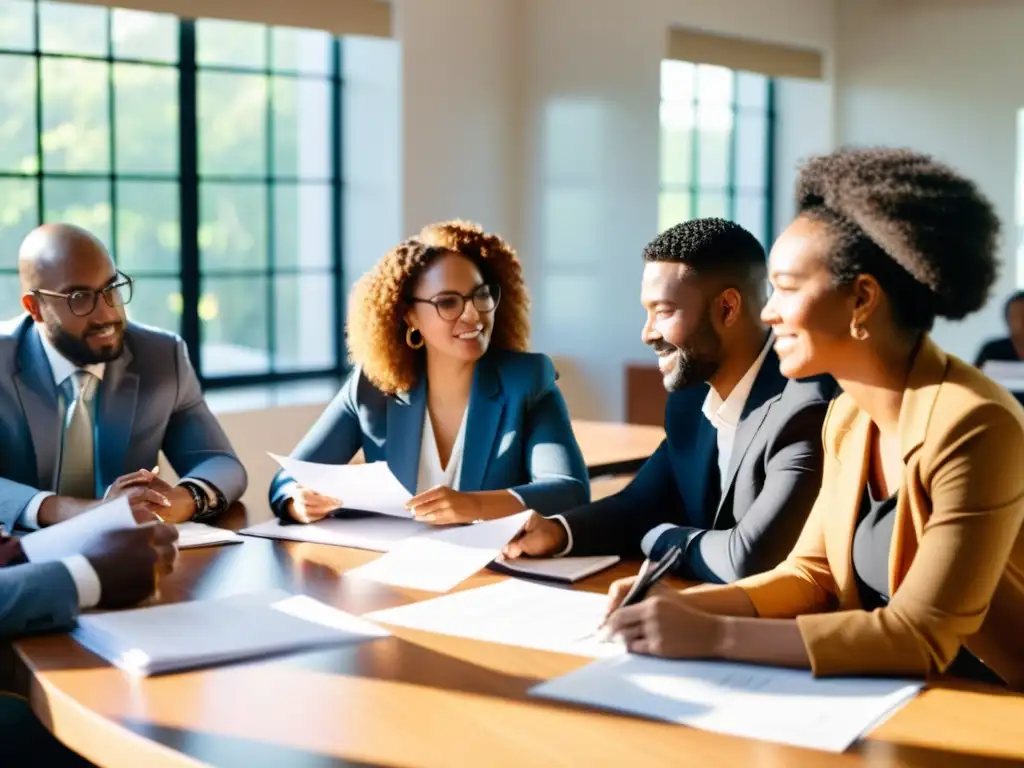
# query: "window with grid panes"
206,156
716,146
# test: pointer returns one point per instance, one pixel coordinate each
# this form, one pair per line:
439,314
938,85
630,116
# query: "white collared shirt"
61,367
724,416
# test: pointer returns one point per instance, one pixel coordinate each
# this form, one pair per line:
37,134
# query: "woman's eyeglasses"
450,305
83,302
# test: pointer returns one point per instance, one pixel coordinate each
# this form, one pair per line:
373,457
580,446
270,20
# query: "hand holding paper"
68,538
365,487
128,561
308,506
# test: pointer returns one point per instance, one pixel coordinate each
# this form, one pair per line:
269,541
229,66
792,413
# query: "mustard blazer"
956,563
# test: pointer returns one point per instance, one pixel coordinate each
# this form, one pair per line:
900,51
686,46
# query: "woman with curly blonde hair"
444,390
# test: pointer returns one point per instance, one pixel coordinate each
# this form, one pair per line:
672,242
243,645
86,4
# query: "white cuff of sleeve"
518,497
211,495
30,514
649,539
288,491
568,534
87,582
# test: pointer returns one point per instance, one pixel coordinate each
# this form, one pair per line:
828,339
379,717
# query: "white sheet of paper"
377,533
67,538
440,560
563,569
1008,373
772,704
512,612
366,487
192,535
166,638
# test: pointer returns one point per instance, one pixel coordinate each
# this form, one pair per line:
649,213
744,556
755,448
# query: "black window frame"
694,188
191,273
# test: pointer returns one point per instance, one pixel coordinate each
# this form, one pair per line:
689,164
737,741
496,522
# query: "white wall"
804,126
539,118
460,113
372,138
942,76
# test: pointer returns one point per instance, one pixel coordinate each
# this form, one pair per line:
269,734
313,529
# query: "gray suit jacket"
36,597
518,433
149,401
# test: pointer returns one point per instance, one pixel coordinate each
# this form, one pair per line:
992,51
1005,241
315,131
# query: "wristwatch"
204,509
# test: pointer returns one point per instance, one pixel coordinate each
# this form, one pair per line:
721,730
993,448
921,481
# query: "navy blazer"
773,479
518,433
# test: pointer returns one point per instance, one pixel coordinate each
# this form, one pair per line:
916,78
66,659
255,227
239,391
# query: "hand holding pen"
629,592
650,618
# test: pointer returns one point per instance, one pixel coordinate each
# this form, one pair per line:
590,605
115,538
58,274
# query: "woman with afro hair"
912,559
444,390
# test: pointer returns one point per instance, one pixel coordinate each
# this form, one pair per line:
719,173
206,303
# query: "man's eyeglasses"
450,305
83,302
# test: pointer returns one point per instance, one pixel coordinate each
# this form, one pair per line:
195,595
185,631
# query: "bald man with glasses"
88,399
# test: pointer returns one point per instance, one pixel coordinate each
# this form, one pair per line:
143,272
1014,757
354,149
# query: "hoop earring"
409,339
859,332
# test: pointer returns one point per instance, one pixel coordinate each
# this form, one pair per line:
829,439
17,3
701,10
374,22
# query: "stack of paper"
377,533
563,570
167,638
782,705
513,612
441,559
192,535
365,487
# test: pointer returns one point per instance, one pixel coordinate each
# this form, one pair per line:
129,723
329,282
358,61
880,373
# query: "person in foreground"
912,560
735,478
88,399
116,569
444,391
1009,348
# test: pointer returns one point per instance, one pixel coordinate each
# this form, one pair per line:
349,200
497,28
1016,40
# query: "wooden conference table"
418,699
615,449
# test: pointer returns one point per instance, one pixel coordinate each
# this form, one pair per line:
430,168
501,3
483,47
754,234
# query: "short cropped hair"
926,233
718,248
379,300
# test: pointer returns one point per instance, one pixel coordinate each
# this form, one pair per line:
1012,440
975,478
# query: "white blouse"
430,473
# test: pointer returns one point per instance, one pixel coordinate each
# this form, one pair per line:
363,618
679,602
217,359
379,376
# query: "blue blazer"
518,434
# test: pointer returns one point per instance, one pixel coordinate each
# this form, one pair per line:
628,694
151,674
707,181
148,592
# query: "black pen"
650,573
647,578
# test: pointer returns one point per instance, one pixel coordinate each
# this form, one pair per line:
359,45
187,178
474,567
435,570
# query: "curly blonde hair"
376,325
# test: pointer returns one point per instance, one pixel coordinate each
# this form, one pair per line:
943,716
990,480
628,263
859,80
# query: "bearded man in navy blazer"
740,468
88,400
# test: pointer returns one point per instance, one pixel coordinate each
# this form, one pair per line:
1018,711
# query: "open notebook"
170,638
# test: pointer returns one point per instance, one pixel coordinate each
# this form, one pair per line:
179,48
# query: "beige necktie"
77,460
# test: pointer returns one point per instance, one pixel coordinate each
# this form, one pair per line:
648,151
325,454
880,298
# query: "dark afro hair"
926,233
713,247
